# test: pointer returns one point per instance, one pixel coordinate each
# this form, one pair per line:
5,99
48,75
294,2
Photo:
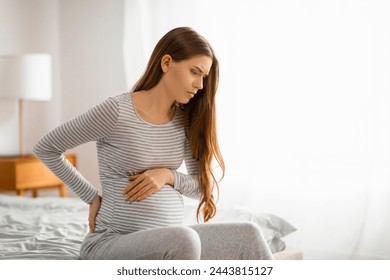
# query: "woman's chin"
184,101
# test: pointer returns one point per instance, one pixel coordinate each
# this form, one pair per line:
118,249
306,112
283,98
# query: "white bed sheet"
44,228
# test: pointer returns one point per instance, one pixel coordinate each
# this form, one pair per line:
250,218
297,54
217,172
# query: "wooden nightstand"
28,173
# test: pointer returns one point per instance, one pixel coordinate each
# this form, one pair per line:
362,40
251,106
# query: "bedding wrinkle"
45,228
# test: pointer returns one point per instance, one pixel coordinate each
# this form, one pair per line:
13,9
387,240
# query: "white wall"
29,27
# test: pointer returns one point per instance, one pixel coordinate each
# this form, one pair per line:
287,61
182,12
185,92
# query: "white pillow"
272,226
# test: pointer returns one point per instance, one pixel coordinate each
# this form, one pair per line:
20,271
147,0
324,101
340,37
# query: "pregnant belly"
163,208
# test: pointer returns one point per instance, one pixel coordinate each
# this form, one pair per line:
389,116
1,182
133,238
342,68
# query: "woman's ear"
166,62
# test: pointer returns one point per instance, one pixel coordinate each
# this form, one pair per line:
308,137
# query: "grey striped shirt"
126,145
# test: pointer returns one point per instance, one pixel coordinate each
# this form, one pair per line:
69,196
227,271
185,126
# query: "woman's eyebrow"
200,70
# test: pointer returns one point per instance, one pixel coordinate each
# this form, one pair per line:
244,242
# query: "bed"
53,227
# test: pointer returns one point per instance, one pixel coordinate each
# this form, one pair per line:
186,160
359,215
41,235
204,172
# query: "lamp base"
21,128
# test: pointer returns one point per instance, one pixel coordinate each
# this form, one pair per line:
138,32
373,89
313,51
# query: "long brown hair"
200,114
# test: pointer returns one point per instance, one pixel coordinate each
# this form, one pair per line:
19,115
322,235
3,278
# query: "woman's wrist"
170,177
97,197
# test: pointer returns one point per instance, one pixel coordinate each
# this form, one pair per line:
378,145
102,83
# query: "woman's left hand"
145,184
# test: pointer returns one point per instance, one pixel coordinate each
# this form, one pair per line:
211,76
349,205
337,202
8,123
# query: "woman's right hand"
93,211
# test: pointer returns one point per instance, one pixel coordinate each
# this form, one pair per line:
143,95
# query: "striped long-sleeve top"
126,145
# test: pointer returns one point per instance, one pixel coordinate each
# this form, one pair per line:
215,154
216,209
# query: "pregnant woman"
142,138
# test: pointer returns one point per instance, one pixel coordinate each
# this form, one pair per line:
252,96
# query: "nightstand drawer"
28,173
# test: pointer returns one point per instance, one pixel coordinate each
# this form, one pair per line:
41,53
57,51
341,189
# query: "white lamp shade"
27,76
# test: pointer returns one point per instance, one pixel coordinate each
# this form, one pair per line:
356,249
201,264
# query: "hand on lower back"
93,211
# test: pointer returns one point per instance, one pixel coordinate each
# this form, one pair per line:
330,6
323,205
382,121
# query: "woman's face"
183,79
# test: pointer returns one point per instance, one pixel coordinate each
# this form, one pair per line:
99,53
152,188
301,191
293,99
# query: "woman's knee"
188,244
255,236
252,231
251,228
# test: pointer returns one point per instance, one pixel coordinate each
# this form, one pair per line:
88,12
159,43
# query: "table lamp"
25,77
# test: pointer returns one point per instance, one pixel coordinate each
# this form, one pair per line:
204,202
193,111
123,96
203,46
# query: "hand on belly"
147,183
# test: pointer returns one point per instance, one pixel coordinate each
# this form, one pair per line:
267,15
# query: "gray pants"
223,241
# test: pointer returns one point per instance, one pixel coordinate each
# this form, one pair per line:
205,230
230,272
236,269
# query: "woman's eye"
194,72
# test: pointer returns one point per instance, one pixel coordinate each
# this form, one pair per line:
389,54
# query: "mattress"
289,254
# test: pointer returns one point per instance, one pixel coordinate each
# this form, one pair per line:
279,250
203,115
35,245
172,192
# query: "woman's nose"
199,84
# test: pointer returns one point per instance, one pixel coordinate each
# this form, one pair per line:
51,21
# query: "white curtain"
303,111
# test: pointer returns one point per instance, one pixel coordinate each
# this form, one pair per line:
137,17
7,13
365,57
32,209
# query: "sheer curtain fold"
303,111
